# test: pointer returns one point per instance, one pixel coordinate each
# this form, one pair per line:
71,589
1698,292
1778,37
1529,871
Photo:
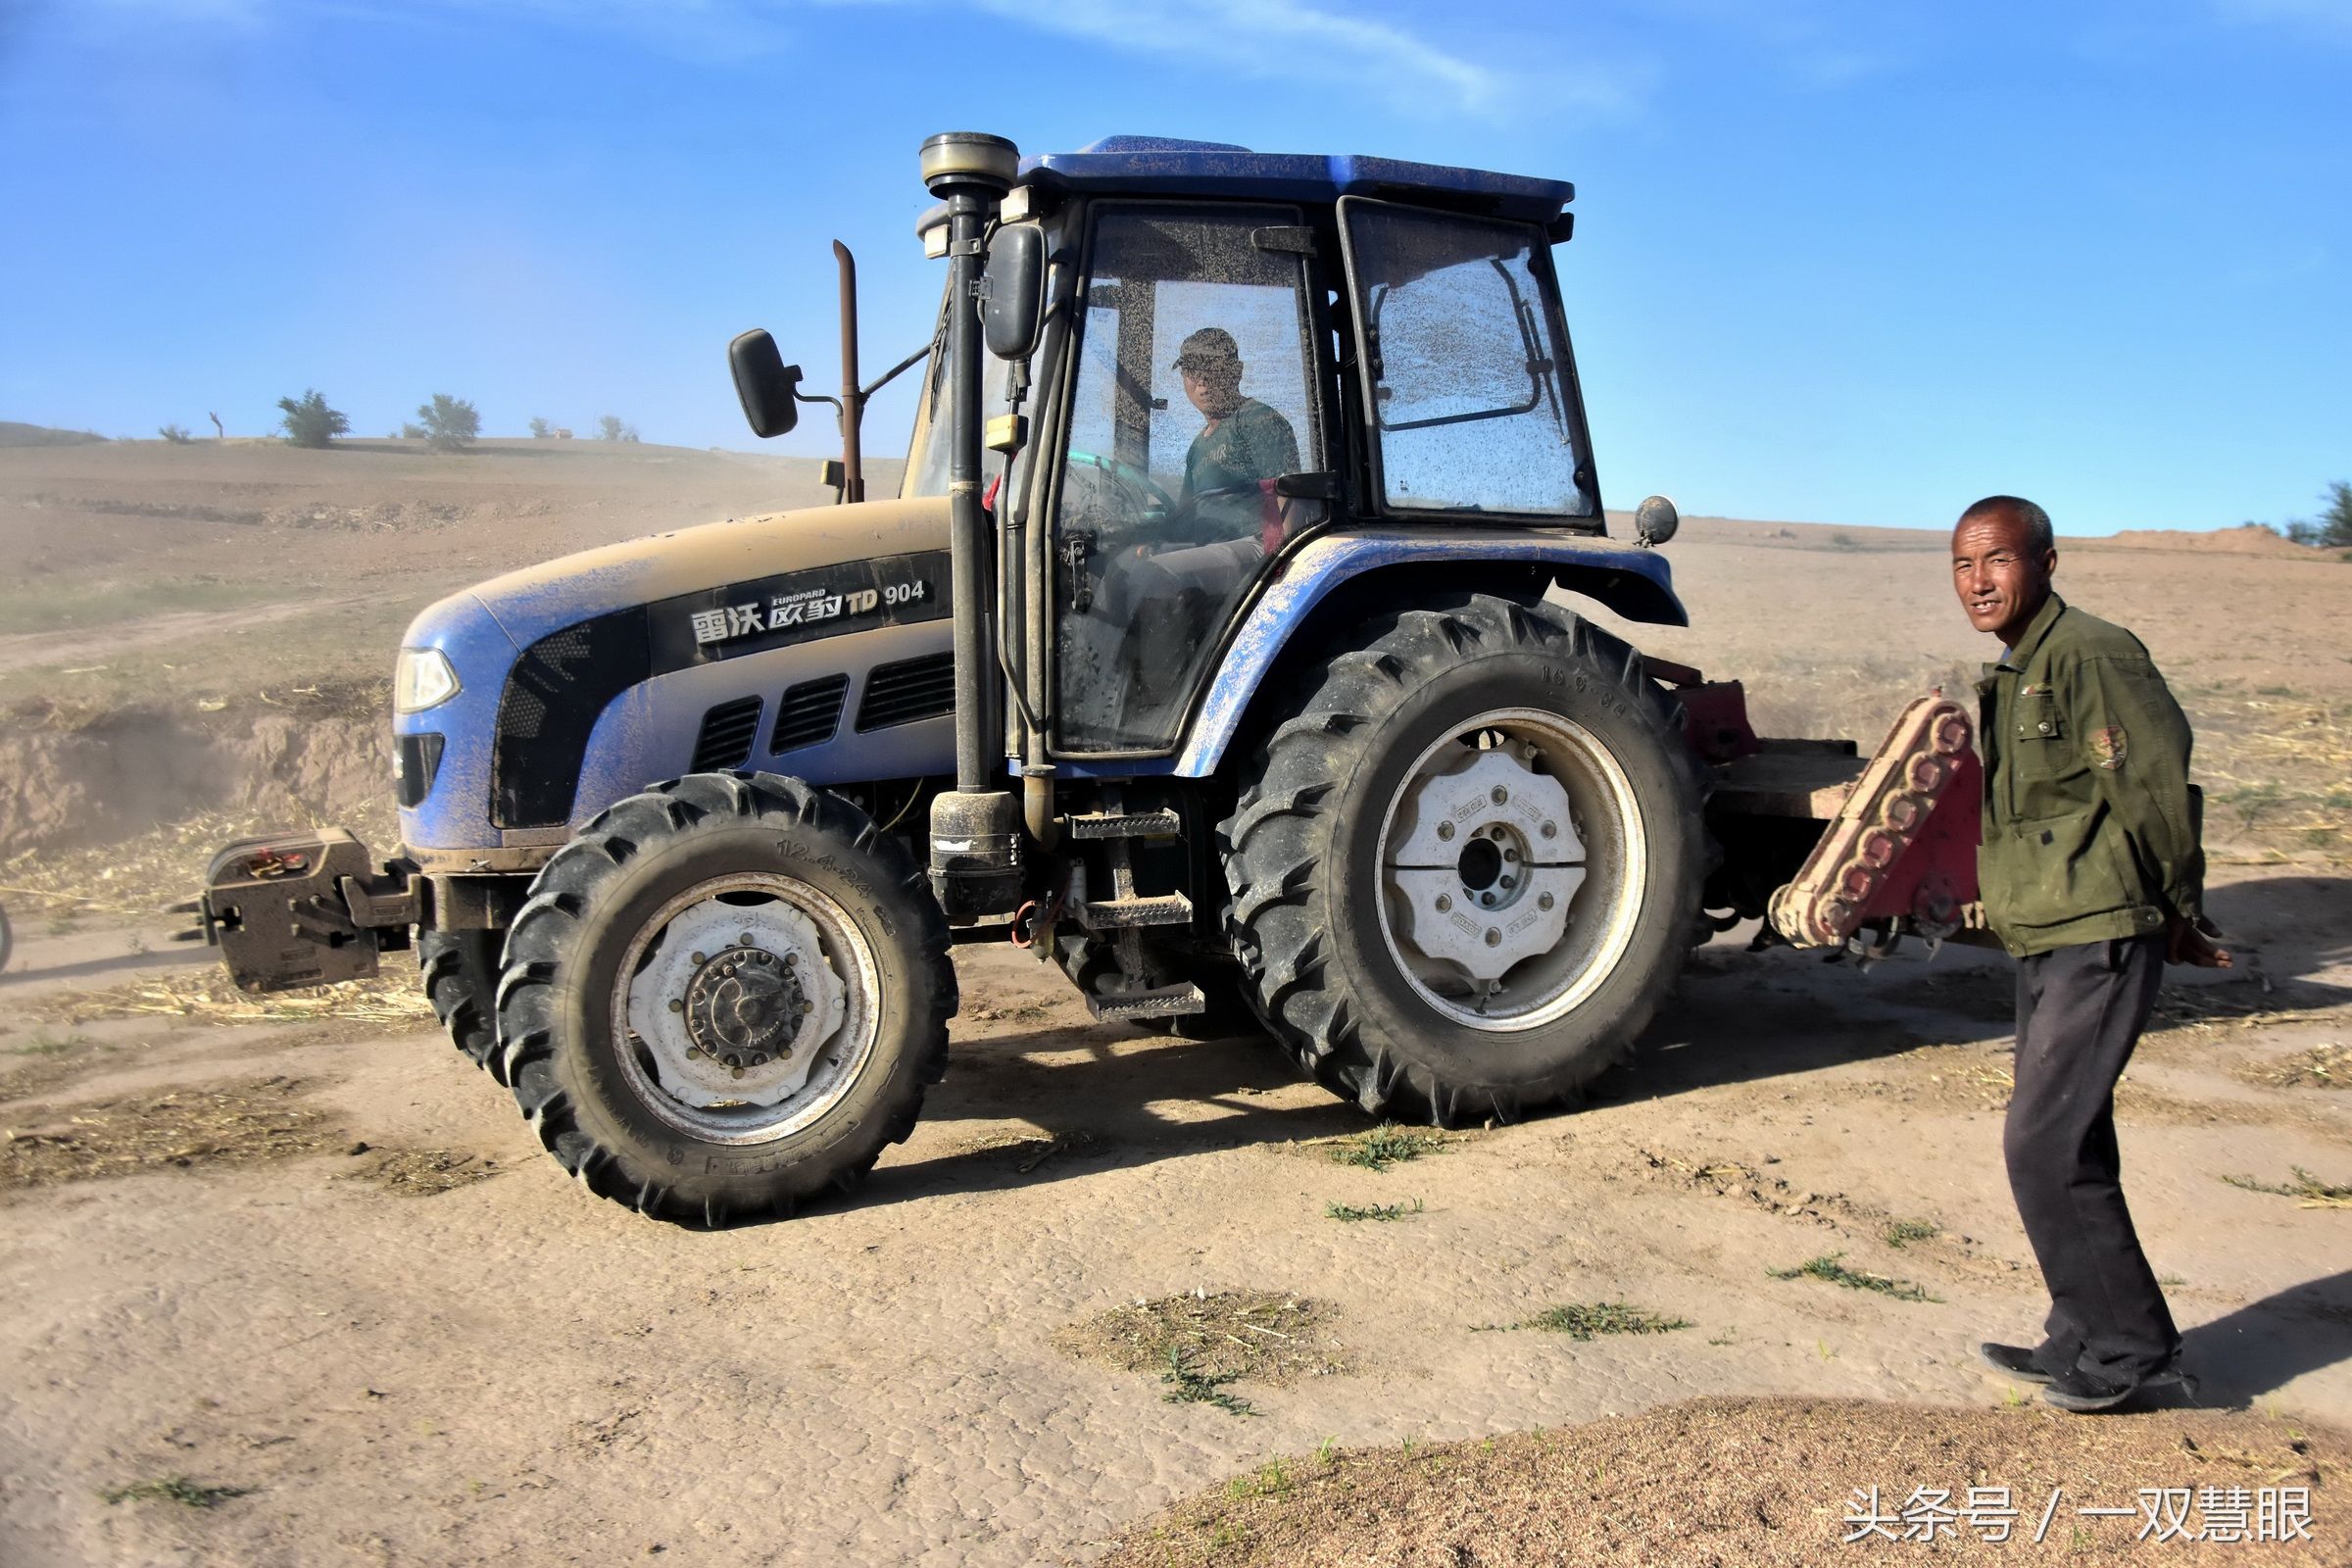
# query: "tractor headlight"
421,680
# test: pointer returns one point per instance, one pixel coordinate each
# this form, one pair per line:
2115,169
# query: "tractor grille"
726,738
809,713
912,689
553,696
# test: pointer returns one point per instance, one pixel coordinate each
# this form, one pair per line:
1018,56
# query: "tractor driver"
1244,443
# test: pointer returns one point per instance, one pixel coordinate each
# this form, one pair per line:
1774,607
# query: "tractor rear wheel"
1468,870
458,970
726,997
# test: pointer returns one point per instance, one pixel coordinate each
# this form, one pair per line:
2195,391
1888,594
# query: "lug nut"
1444,830
692,1055
1444,902
1510,881
1550,830
1510,854
746,939
789,958
735,1062
698,958
735,1072
759,1058
1501,795
1544,901
675,1005
1493,937
1487,899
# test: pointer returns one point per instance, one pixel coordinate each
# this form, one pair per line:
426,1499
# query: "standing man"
2093,878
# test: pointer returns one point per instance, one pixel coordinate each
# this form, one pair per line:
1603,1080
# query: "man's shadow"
2266,1344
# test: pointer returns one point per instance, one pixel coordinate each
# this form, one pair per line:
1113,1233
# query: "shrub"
178,435
309,423
450,423
541,429
412,431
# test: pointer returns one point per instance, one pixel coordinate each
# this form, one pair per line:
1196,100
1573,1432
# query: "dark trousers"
2079,1011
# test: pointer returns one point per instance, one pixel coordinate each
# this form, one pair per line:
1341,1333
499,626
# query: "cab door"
1192,390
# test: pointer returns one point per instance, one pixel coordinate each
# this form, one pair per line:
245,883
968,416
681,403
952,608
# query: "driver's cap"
1211,346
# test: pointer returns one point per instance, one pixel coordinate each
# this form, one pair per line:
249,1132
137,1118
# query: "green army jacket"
1251,443
2091,825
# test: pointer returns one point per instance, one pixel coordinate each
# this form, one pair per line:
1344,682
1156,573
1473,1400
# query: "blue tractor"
1213,648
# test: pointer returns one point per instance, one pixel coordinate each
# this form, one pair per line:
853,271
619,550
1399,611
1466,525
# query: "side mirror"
763,383
1656,521
1014,308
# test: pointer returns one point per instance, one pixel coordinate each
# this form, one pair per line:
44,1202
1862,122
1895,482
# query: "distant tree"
411,432
175,434
2333,527
610,428
450,423
309,423
541,429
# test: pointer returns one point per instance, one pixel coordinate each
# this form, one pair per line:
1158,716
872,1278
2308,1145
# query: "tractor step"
1160,824
1168,1002
1122,914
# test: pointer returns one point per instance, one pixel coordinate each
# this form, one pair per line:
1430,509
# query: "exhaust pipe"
975,829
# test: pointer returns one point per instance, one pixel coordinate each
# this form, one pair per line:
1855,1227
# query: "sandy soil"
271,1348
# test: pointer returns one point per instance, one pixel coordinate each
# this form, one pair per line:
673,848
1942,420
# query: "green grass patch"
47,1045
1272,1478
1829,1266
1903,1232
1384,1146
1580,1320
60,607
2307,1188
1188,1385
173,1488
1378,1211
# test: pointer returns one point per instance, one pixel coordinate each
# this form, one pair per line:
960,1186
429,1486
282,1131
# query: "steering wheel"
1145,502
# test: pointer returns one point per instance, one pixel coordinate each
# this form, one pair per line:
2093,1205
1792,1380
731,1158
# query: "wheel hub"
746,1006
735,1003
1485,861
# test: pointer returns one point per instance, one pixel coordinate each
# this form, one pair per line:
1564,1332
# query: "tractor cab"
1204,358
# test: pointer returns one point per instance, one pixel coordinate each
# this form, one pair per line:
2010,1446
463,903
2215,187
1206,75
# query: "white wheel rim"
1513,859
755,966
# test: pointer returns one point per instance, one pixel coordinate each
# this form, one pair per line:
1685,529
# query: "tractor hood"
697,562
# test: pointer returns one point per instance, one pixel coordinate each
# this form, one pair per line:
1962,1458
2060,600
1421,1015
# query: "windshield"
927,450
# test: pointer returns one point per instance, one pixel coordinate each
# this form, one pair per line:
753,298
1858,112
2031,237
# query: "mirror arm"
893,372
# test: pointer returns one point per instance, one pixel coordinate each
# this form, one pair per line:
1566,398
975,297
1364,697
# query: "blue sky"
1849,262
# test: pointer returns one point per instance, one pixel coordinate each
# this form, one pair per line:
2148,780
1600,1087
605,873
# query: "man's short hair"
2039,537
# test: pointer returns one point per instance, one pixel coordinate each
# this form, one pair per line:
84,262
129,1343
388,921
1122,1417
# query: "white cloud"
2326,18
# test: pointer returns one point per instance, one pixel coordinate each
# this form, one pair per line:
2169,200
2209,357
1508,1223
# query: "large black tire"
604,894
1303,851
458,970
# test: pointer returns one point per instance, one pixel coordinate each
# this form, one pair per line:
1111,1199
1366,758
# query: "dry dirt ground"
300,1289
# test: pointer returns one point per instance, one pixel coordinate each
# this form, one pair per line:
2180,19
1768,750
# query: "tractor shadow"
1102,1098
1097,1097
1741,1017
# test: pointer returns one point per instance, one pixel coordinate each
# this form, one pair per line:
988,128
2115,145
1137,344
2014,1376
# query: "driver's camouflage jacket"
2091,826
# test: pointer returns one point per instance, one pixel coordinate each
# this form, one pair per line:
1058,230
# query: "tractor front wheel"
458,970
726,997
1469,867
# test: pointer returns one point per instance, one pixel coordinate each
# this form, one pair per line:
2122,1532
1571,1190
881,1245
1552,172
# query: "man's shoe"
2086,1392
2012,1360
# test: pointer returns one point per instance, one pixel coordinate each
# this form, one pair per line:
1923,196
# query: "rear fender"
1634,582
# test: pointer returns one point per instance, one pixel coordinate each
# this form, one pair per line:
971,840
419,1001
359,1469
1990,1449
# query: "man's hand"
2192,942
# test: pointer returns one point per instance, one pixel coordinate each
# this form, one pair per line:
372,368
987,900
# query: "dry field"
292,1284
